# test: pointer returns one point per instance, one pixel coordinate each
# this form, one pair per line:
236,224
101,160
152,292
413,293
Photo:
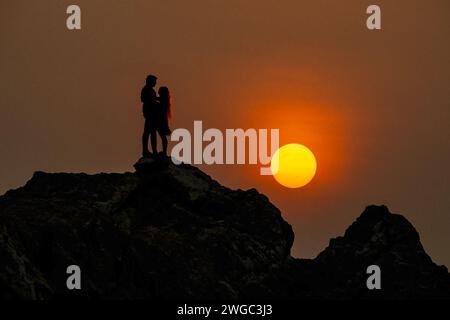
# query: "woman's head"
164,92
164,95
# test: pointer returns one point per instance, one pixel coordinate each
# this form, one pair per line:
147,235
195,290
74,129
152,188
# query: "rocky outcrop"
389,241
379,238
172,232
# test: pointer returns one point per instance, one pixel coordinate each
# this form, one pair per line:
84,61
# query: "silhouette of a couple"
157,113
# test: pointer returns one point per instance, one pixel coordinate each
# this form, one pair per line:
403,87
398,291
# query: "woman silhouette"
165,115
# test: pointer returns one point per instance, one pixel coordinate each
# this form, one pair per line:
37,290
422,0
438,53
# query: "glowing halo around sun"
293,165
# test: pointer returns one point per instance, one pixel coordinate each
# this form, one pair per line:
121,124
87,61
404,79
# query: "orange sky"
372,106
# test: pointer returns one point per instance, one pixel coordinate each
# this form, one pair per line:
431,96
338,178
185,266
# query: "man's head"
151,80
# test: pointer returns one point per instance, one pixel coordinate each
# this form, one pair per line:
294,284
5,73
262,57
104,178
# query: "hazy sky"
372,105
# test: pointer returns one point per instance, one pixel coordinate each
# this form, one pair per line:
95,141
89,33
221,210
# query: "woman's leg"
154,142
164,144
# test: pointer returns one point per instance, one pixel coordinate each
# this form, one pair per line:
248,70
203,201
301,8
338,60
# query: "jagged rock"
388,240
377,237
171,231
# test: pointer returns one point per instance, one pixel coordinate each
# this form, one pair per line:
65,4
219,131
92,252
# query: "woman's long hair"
166,100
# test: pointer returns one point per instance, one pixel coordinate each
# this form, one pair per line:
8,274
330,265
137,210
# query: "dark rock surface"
377,237
173,232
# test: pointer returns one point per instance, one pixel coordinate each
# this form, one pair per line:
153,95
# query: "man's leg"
145,135
153,142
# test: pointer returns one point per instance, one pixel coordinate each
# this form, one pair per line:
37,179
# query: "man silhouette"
150,111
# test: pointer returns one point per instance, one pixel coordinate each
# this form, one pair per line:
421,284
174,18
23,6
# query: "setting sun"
293,165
